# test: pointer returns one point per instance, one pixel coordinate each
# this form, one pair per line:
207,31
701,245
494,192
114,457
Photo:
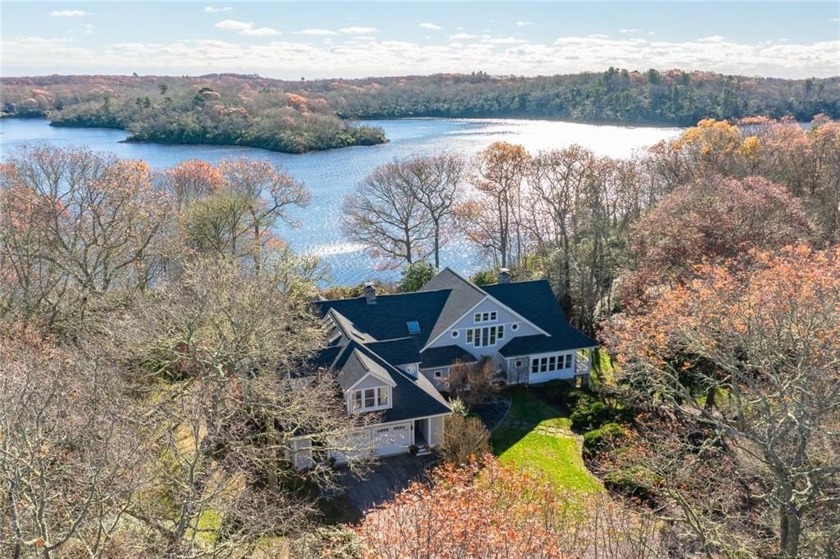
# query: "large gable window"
485,336
371,398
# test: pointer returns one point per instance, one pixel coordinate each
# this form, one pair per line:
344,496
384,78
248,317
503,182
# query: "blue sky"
353,39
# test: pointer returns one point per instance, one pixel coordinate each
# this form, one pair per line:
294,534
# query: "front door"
421,432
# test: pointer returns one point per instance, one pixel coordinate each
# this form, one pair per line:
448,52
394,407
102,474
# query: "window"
514,326
442,374
518,362
485,336
370,398
488,316
454,333
551,363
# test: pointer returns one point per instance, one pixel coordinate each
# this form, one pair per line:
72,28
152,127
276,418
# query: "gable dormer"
367,385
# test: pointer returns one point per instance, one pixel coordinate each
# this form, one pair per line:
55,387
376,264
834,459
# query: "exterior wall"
436,426
369,381
439,383
560,373
503,316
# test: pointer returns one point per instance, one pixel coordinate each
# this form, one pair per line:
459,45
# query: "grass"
555,457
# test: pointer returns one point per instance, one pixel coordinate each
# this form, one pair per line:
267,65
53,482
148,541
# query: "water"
329,175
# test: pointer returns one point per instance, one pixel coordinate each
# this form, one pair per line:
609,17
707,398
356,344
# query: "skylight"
413,327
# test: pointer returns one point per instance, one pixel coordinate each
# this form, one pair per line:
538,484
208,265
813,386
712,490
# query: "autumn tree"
230,209
750,356
69,464
74,226
492,510
713,219
493,219
223,352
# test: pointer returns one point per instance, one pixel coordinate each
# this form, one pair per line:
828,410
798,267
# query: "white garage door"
392,439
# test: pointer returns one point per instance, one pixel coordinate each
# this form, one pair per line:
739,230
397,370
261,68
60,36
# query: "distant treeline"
298,116
673,97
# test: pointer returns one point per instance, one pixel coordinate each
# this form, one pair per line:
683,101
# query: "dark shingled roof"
535,301
397,352
411,398
445,356
387,319
464,296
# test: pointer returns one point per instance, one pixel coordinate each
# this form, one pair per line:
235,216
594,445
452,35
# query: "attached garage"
391,439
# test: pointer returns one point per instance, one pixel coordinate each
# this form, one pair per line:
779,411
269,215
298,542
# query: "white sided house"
392,354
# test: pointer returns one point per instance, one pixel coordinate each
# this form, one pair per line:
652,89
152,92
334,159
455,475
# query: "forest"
299,116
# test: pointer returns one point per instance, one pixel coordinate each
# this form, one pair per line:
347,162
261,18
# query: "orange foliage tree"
752,354
487,509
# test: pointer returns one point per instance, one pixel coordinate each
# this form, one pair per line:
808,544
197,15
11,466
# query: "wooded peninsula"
301,116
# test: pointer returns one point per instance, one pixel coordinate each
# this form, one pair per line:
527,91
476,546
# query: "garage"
391,439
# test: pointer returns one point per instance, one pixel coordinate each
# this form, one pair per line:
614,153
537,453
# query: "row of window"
551,363
488,316
486,335
370,398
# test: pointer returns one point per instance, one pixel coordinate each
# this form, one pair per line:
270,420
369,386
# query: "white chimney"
504,275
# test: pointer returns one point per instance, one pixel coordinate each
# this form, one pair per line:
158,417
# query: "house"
393,354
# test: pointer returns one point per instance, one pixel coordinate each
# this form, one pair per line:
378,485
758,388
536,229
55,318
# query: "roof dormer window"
369,399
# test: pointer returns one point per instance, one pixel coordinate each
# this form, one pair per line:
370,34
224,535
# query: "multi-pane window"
485,336
488,316
370,398
551,363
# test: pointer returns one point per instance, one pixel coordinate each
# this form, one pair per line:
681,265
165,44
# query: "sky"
313,40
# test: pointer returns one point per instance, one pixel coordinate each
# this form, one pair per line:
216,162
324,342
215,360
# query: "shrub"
415,276
458,406
465,438
590,415
609,433
636,481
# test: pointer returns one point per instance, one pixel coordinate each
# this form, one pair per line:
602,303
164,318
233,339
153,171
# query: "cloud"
359,30
315,32
524,23
597,36
835,20
70,13
246,28
360,56
216,9
88,29
712,39
462,36
628,30
430,26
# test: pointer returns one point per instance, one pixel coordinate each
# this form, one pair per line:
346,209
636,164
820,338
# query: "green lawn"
556,456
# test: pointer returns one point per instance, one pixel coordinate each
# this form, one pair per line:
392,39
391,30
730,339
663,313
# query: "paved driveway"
385,479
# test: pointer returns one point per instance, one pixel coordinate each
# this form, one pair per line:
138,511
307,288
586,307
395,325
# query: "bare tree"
434,180
76,225
387,217
68,462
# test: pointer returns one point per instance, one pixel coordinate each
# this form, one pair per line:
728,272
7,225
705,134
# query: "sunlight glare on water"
330,175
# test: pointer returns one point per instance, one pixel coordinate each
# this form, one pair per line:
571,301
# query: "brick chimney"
504,275
370,293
